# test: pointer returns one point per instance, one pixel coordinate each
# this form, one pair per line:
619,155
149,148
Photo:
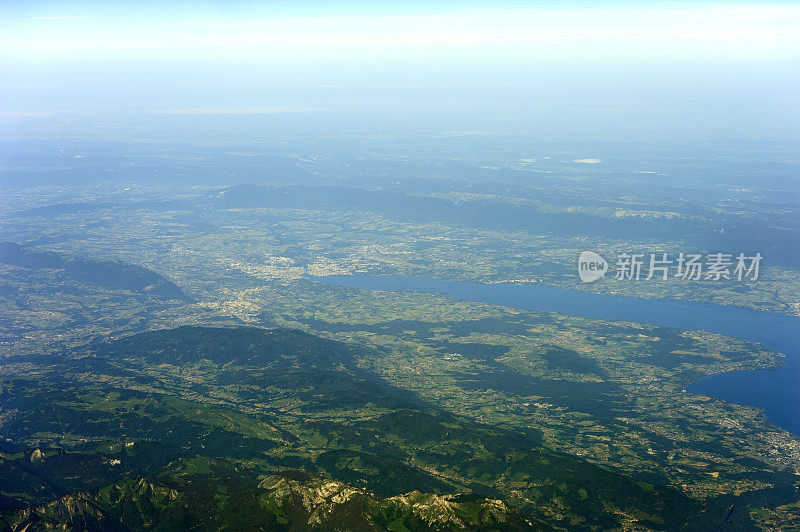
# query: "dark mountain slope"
781,244
290,500
253,347
268,400
113,275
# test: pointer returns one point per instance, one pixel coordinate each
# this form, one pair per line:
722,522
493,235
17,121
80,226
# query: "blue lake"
776,391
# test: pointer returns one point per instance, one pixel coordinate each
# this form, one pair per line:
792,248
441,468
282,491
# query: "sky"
702,61
412,31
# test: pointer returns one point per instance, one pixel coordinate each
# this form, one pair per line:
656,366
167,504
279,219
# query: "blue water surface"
776,391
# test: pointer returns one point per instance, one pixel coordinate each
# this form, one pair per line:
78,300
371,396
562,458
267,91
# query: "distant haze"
656,72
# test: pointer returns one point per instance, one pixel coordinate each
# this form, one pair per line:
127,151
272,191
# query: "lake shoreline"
772,390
